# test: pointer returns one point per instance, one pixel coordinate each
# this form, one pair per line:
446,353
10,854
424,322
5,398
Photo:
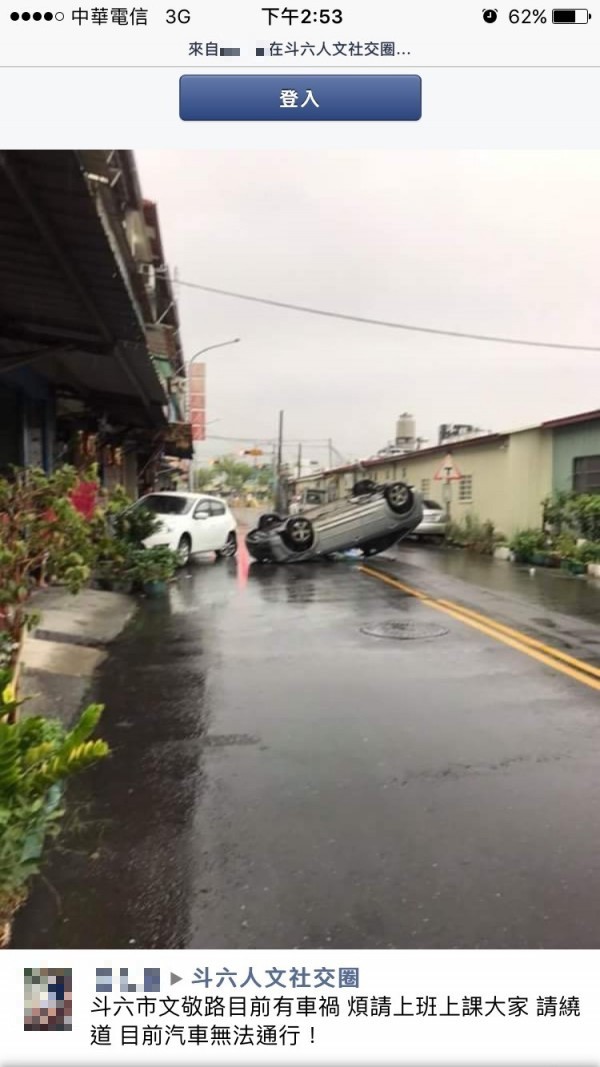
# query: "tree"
203,477
236,474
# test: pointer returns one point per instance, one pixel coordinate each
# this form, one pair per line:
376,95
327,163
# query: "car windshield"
166,504
431,505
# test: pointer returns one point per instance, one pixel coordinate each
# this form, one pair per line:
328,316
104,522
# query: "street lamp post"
209,348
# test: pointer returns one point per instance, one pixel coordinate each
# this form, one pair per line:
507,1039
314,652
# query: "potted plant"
573,566
587,556
36,756
151,568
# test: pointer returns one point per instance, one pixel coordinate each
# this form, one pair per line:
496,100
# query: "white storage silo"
406,431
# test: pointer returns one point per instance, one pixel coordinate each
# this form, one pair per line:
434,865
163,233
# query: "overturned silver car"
372,518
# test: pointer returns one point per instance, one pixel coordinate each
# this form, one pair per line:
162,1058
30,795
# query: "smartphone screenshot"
299,534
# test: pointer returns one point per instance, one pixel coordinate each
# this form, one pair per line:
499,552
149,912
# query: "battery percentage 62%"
528,17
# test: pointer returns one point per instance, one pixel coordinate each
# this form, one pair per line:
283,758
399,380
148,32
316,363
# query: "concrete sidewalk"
62,653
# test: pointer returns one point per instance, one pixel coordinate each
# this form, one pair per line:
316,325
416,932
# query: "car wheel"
230,547
266,522
399,498
184,550
299,534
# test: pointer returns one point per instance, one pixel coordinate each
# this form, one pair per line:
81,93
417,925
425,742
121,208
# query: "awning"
66,309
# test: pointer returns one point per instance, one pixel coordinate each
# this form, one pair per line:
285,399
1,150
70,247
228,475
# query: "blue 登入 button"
300,98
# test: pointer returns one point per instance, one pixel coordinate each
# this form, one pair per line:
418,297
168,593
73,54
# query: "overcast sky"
501,243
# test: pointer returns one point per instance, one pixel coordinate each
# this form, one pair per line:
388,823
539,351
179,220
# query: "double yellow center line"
550,657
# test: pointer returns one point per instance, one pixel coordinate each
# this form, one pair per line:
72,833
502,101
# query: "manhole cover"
405,631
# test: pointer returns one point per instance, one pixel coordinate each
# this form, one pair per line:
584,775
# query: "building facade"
77,379
502,478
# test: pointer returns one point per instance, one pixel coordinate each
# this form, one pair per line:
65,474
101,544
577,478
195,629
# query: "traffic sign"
448,471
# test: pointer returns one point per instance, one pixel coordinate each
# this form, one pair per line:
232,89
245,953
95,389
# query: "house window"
586,474
425,485
465,489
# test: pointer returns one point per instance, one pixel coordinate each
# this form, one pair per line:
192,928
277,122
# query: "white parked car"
191,523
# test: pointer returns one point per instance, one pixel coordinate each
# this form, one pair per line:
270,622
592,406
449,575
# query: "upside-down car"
372,518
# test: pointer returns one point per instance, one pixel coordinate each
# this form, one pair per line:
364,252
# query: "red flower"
84,497
50,515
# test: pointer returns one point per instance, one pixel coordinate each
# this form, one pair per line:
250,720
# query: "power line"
465,335
317,442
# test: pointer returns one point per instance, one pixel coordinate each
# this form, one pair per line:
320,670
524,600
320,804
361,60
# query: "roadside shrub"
586,511
589,552
148,565
474,535
525,543
132,524
566,545
574,513
47,531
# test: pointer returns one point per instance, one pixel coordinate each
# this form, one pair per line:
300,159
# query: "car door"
202,527
219,522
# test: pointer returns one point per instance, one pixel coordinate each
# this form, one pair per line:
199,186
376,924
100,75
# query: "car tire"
364,487
230,547
298,534
184,550
399,497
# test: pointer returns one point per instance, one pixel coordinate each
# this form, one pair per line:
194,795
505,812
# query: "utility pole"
300,460
279,504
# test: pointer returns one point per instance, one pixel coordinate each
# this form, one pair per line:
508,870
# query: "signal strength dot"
37,16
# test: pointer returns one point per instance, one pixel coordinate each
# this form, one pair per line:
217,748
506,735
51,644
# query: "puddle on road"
550,589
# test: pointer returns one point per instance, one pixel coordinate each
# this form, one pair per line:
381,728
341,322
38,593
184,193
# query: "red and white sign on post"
448,471
197,387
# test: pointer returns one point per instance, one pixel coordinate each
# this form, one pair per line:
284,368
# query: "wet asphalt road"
280,779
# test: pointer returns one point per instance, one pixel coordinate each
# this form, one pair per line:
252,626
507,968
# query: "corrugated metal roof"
33,285
60,282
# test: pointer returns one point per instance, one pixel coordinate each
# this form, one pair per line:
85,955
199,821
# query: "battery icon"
571,15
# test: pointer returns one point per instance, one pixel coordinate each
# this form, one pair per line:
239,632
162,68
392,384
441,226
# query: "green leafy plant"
566,545
149,565
588,552
477,536
37,755
47,530
573,513
525,543
555,511
134,523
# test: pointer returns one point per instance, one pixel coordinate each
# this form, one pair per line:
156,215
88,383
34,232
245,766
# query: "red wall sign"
197,379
